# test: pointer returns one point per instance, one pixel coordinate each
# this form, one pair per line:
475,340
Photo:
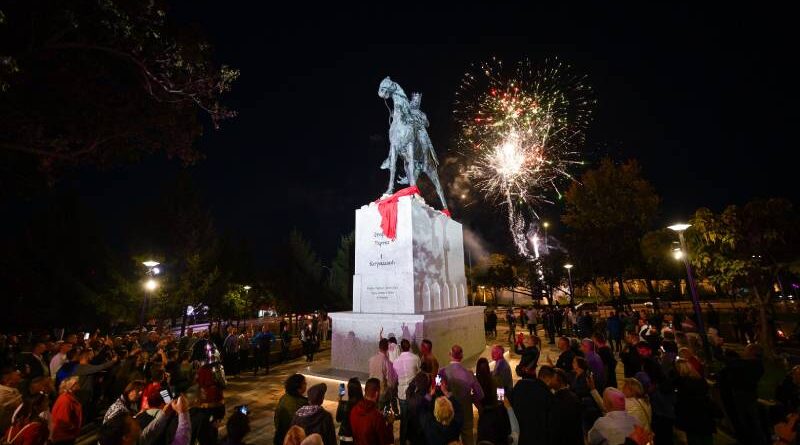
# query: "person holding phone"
493,422
354,395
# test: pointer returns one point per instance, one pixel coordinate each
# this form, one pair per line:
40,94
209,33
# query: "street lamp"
150,285
683,254
568,266
546,244
483,292
247,287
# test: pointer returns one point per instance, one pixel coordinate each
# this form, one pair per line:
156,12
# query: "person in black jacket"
530,356
630,356
694,409
415,397
313,418
564,361
441,417
354,395
564,420
531,401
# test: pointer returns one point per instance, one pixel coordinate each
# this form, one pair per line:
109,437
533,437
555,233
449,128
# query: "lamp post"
684,255
568,266
546,241
483,293
149,286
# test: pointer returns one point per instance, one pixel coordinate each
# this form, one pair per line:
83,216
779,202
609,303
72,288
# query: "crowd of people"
156,388
151,388
668,392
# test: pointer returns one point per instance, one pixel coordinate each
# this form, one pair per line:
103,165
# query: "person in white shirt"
58,360
617,424
380,367
407,367
394,349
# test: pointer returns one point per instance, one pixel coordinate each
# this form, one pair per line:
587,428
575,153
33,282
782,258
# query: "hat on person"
316,394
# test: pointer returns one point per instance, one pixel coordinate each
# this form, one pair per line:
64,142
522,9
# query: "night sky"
699,97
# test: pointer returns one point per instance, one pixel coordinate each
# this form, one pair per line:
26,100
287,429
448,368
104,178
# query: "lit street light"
546,244
483,291
150,285
683,254
247,287
568,266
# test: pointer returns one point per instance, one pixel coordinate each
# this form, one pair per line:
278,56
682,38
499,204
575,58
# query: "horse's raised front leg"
392,170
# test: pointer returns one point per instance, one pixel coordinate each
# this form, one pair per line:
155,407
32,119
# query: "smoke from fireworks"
520,131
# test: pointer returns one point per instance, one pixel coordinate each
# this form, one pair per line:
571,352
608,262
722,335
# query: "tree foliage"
342,270
608,211
297,276
747,247
191,249
140,81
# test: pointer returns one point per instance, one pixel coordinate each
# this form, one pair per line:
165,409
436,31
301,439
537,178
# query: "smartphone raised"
341,390
165,395
501,394
86,336
438,380
243,409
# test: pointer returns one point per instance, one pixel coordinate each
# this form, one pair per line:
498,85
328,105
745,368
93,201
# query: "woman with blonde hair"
694,409
294,436
637,403
442,422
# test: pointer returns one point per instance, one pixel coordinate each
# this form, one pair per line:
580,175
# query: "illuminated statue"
408,138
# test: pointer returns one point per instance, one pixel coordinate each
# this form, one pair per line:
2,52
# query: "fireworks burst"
520,130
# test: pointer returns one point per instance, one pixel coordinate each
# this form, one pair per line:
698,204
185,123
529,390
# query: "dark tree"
90,82
342,270
608,211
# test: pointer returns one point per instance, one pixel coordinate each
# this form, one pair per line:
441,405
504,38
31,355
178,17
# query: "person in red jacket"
66,418
28,428
368,424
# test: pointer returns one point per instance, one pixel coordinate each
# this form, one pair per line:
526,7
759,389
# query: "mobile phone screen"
438,380
86,336
501,394
341,389
165,395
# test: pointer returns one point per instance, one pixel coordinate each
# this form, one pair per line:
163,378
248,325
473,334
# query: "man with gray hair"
617,424
502,370
464,387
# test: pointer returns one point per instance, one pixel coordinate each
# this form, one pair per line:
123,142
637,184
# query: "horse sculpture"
408,138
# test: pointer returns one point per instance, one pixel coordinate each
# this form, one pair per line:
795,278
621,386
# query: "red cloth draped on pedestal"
387,207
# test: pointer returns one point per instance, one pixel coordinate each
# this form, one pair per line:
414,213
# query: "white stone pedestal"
413,287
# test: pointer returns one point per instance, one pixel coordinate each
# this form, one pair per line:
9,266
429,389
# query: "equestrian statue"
408,139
